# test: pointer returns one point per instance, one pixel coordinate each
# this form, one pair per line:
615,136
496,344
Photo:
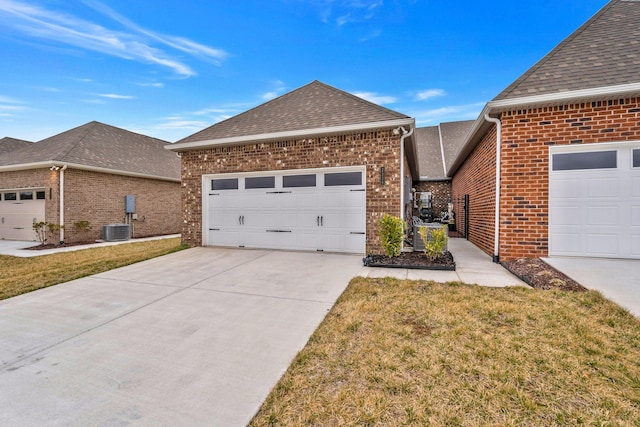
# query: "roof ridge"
77,141
556,50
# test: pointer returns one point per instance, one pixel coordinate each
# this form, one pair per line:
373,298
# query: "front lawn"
421,353
22,275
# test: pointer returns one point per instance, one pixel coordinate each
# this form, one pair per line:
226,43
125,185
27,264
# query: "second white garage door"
594,201
19,209
314,210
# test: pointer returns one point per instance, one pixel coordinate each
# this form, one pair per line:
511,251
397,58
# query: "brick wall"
371,149
477,178
440,194
526,138
99,199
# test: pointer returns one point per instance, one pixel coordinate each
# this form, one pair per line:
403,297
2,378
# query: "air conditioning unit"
115,232
418,244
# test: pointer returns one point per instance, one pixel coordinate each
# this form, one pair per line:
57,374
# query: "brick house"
314,169
552,165
83,175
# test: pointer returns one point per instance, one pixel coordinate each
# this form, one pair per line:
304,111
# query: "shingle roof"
605,51
102,146
10,144
313,106
431,141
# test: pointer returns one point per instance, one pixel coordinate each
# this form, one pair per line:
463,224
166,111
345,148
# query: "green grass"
22,275
421,353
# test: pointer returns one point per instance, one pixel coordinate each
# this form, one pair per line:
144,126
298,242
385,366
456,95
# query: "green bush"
391,235
436,245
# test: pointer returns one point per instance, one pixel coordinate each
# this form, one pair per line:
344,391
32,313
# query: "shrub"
40,228
434,240
391,235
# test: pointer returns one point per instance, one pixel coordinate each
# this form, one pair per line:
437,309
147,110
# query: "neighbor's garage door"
296,210
594,201
19,209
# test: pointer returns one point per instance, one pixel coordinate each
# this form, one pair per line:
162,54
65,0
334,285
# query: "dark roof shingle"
605,51
313,106
8,145
101,146
432,141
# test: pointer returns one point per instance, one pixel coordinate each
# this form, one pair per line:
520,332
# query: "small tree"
41,229
391,235
434,241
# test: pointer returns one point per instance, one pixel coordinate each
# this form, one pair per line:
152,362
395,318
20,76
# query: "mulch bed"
56,246
540,275
411,260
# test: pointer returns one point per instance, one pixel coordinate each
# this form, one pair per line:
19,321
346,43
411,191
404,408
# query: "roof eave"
242,140
494,108
50,163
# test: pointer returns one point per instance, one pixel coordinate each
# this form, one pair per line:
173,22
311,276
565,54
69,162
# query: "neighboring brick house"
569,151
436,148
94,167
314,169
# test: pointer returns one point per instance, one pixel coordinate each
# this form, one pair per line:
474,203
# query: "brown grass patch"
421,353
22,275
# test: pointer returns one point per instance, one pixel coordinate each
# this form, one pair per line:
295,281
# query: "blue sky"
168,69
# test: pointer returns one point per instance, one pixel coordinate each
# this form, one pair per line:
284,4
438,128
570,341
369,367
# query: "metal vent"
114,232
418,244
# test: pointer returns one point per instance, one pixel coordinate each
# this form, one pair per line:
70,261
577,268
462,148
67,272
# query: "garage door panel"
602,216
603,188
296,217
17,218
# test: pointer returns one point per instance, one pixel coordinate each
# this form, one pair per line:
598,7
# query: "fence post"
466,216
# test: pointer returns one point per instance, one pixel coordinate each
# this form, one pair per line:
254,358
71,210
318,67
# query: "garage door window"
224,184
636,158
291,181
592,160
26,195
10,196
342,178
40,195
260,182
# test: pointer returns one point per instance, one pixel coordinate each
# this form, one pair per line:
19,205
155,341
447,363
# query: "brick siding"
370,149
440,194
526,138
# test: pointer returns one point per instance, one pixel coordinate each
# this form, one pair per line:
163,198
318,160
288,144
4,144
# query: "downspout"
405,134
496,237
62,203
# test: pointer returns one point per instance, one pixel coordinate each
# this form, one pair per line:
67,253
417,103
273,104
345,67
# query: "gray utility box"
418,245
115,232
129,204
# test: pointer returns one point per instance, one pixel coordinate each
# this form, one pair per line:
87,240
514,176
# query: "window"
342,178
299,181
260,182
592,160
26,195
224,184
11,196
40,195
636,158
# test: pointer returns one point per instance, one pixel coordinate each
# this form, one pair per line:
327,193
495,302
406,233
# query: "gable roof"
308,110
437,147
8,144
605,51
599,61
97,146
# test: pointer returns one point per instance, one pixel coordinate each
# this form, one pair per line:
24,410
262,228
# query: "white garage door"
19,209
315,210
594,201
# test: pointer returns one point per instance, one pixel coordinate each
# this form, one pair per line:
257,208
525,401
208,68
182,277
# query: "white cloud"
133,43
8,100
449,113
424,95
114,96
278,87
376,98
158,85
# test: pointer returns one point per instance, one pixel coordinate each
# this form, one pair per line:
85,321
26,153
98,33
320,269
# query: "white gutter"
62,203
444,166
240,140
49,163
496,237
405,134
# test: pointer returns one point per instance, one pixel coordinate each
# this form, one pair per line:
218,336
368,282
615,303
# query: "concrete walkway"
17,248
617,279
472,266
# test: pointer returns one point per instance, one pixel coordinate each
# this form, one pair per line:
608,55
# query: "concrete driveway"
617,279
198,337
